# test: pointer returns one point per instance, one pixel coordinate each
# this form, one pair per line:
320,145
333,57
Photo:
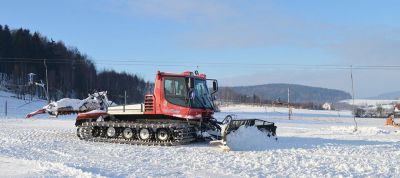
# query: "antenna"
352,93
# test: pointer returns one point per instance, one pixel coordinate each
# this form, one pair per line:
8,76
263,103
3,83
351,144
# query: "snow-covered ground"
312,144
17,108
366,102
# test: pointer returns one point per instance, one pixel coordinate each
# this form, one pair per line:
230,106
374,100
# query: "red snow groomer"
179,111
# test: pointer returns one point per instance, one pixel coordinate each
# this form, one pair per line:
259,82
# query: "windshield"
202,96
176,92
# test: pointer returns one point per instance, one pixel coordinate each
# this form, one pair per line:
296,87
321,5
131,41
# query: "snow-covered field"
312,144
366,102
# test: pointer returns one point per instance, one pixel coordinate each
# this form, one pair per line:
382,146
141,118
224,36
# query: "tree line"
70,73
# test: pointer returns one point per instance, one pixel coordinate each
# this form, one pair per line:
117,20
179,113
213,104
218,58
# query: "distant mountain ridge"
388,96
298,93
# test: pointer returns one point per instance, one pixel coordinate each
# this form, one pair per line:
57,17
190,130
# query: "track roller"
163,135
111,132
128,133
144,134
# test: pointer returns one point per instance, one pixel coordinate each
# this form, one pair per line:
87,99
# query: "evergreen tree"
70,73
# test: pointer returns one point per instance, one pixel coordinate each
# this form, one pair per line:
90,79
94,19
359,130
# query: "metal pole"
6,108
352,92
125,101
47,82
289,110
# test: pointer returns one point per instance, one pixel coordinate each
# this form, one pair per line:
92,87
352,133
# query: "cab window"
175,90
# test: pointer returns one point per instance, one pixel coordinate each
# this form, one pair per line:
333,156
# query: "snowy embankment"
17,108
313,144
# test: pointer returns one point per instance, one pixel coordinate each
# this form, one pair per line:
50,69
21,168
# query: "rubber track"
183,133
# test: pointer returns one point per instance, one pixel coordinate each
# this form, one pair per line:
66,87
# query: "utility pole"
47,82
6,107
124,101
288,101
352,93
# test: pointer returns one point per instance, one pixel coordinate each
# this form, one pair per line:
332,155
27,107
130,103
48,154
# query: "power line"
197,64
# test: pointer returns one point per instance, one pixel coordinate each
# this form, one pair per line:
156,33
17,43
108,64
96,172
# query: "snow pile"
249,139
94,101
75,104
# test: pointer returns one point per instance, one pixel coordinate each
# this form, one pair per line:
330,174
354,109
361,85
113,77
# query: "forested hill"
274,92
70,72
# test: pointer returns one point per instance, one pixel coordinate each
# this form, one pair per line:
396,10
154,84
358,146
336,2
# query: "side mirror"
191,83
215,86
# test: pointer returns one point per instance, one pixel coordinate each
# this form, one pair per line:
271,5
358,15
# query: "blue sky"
234,41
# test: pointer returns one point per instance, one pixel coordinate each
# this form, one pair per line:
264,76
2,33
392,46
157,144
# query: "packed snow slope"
17,108
312,144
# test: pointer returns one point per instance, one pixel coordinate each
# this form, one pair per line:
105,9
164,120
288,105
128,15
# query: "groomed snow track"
178,133
308,147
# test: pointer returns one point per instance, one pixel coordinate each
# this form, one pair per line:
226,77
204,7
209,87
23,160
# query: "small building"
397,108
326,106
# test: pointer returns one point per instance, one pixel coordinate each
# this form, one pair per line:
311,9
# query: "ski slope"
17,108
312,144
